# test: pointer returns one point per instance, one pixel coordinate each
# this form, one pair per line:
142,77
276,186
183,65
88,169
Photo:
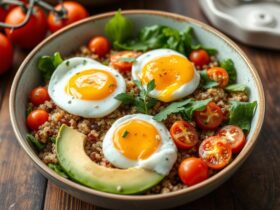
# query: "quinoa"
95,129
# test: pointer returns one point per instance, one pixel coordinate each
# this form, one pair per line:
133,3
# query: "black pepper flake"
69,102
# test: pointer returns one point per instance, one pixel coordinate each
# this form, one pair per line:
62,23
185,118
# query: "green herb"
128,60
142,102
187,113
119,28
159,36
186,109
175,107
228,65
58,169
48,64
237,88
30,138
241,114
207,82
125,133
53,139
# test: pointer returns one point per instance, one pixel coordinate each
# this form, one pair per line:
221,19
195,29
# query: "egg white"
84,108
181,92
161,161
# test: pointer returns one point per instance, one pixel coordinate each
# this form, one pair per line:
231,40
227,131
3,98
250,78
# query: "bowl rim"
51,174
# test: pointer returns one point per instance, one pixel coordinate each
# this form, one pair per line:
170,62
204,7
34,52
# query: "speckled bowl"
68,40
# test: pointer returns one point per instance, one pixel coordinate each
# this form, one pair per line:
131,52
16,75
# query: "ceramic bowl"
70,39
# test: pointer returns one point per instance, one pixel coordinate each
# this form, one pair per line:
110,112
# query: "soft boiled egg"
86,88
139,141
175,76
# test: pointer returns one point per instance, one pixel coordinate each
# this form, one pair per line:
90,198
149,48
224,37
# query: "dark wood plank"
21,185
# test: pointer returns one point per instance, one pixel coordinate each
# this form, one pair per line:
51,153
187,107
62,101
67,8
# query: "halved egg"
86,88
175,76
139,141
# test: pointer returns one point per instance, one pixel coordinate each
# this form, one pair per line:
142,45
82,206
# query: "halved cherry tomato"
184,134
30,34
6,54
210,118
192,171
199,57
216,152
219,75
37,118
39,95
118,63
75,12
99,45
235,136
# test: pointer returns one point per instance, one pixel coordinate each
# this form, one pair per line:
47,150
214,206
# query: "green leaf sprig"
32,140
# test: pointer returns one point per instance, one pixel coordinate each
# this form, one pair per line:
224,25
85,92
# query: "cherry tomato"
37,118
192,171
235,136
219,75
39,95
210,118
184,134
216,152
199,57
123,66
75,12
99,45
6,54
32,33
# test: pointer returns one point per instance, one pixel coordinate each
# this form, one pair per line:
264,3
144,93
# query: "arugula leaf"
241,114
237,88
32,140
119,28
125,98
47,65
187,113
175,107
228,65
128,60
207,82
58,169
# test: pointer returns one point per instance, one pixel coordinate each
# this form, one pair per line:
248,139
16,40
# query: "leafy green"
58,169
160,36
47,65
241,114
228,65
142,102
119,28
187,113
186,109
237,88
174,107
32,140
207,82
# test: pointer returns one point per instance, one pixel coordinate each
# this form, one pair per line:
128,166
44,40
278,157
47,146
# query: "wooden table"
256,185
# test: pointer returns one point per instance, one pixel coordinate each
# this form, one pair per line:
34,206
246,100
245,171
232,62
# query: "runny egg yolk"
92,84
169,72
136,139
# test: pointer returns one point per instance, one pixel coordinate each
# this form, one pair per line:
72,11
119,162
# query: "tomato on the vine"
6,53
216,152
183,134
74,12
30,34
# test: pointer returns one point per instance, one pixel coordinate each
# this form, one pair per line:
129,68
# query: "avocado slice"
74,160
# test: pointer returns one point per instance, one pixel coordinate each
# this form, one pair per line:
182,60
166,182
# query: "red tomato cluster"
35,30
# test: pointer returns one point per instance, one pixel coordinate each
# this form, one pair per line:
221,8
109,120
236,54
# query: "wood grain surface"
255,186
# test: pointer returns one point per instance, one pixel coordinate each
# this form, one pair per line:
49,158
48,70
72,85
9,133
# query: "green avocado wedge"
75,162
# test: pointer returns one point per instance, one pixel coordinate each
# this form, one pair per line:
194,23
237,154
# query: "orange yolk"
136,139
169,72
92,84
